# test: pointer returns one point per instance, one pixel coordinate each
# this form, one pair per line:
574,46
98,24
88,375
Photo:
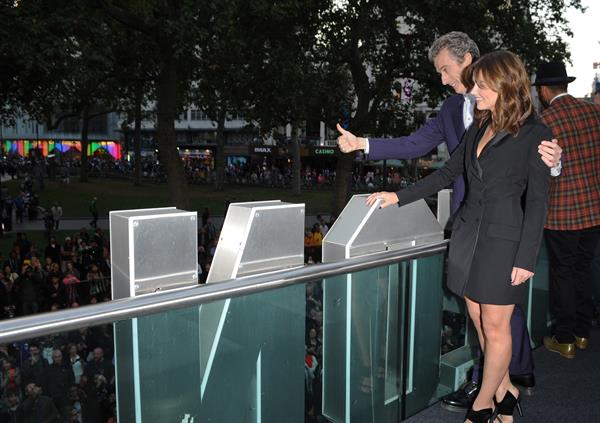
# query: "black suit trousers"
571,254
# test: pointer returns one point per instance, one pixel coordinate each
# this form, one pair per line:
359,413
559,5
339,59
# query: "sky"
584,47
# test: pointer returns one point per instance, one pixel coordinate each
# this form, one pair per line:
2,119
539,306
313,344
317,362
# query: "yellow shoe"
566,350
581,343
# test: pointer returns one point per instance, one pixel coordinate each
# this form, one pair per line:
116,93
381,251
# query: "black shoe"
462,399
486,415
526,382
507,406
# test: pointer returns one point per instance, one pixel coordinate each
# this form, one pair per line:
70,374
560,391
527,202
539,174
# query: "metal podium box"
259,237
444,208
362,229
152,249
362,313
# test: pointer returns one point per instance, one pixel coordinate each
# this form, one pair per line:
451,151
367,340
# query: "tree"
534,29
87,90
383,44
173,31
10,66
222,70
135,78
293,80
64,70
365,38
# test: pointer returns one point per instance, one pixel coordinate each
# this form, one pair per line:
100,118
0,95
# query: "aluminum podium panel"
444,212
259,237
242,346
152,249
361,229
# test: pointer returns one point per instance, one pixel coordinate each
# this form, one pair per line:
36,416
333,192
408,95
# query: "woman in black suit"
497,230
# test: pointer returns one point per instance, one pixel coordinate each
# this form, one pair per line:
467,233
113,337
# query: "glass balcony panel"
358,347
423,337
538,307
361,346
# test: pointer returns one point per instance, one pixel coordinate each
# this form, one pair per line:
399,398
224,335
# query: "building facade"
28,137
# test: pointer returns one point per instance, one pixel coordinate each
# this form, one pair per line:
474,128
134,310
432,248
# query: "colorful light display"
23,147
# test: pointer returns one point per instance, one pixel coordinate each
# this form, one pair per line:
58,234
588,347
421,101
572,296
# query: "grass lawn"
119,195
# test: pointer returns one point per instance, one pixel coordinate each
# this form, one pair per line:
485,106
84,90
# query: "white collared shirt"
558,96
468,110
555,171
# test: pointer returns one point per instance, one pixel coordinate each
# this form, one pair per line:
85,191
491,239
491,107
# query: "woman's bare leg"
474,309
497,346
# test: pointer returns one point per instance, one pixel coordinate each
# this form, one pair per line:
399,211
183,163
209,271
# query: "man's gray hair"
457,43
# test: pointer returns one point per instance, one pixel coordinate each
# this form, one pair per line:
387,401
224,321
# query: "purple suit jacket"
446,127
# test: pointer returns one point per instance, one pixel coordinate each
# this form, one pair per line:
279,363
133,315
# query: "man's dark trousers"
571,254
596,277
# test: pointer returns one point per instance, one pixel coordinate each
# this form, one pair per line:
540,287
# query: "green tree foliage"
63,64
295,80
366,38
9,66
135,80
283,62
384,44
173,33
221,73
537,30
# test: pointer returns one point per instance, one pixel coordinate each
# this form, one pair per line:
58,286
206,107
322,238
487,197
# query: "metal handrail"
65,320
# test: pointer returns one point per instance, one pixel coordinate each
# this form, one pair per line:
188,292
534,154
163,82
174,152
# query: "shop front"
60,148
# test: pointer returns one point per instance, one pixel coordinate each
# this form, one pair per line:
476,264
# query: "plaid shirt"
575,194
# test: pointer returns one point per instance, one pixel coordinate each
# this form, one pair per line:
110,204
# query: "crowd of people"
61,378
313,356
313,239
70,377
34,170
64,274
66,377
37,167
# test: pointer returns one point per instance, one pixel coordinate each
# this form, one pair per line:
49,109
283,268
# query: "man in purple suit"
450,54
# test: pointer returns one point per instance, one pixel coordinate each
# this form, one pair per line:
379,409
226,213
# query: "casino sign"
323,151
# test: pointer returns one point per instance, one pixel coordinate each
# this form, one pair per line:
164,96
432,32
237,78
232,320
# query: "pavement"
65,225
566,390
77,223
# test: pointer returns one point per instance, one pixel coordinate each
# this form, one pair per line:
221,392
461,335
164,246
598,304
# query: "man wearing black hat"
572,227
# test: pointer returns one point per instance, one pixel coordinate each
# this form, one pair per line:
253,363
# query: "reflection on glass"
62,377
538,307
453,331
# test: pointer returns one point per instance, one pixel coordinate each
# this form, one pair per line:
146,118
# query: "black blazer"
501,220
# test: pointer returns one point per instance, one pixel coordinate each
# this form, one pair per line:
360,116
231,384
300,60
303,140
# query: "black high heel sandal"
508,404
485,415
